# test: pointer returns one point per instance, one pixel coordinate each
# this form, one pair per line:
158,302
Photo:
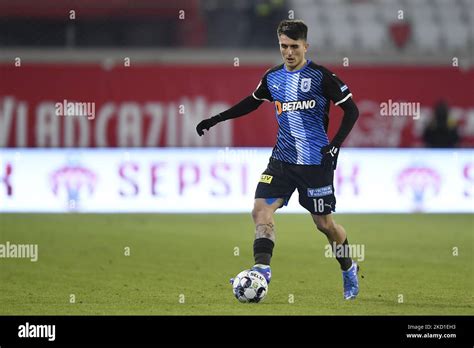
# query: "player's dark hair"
295,29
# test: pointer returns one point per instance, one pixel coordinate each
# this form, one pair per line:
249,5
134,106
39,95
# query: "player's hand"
330,153
206,124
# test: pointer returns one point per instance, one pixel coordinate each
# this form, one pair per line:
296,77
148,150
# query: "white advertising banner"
216,180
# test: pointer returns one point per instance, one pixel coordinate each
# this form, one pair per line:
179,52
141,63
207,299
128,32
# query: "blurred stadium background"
152,69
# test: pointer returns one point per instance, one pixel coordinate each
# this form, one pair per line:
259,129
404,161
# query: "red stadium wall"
159,105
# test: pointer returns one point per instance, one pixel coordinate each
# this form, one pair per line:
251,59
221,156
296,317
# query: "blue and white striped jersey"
301,100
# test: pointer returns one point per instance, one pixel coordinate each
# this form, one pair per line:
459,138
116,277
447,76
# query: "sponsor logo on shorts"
320,191
266,179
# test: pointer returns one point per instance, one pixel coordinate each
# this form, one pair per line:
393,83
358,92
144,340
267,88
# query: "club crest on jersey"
305,85
294,106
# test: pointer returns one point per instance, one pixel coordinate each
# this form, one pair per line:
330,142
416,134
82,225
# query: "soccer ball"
250,286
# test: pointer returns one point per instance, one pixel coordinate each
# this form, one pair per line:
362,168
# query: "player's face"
293,52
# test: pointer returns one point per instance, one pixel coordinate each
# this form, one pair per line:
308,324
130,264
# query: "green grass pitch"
181,265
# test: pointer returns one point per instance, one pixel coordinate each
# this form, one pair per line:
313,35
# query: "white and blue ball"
250,286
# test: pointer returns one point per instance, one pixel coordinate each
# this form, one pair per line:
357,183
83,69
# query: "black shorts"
314,184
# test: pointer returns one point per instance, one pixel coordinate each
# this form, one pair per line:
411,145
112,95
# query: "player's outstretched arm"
242,108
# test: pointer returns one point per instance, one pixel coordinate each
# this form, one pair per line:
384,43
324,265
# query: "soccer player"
303,157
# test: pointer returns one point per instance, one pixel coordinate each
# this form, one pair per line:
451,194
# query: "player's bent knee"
261,214
324,225
323,228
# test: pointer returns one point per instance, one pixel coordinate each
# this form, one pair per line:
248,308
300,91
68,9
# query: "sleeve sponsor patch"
320,191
